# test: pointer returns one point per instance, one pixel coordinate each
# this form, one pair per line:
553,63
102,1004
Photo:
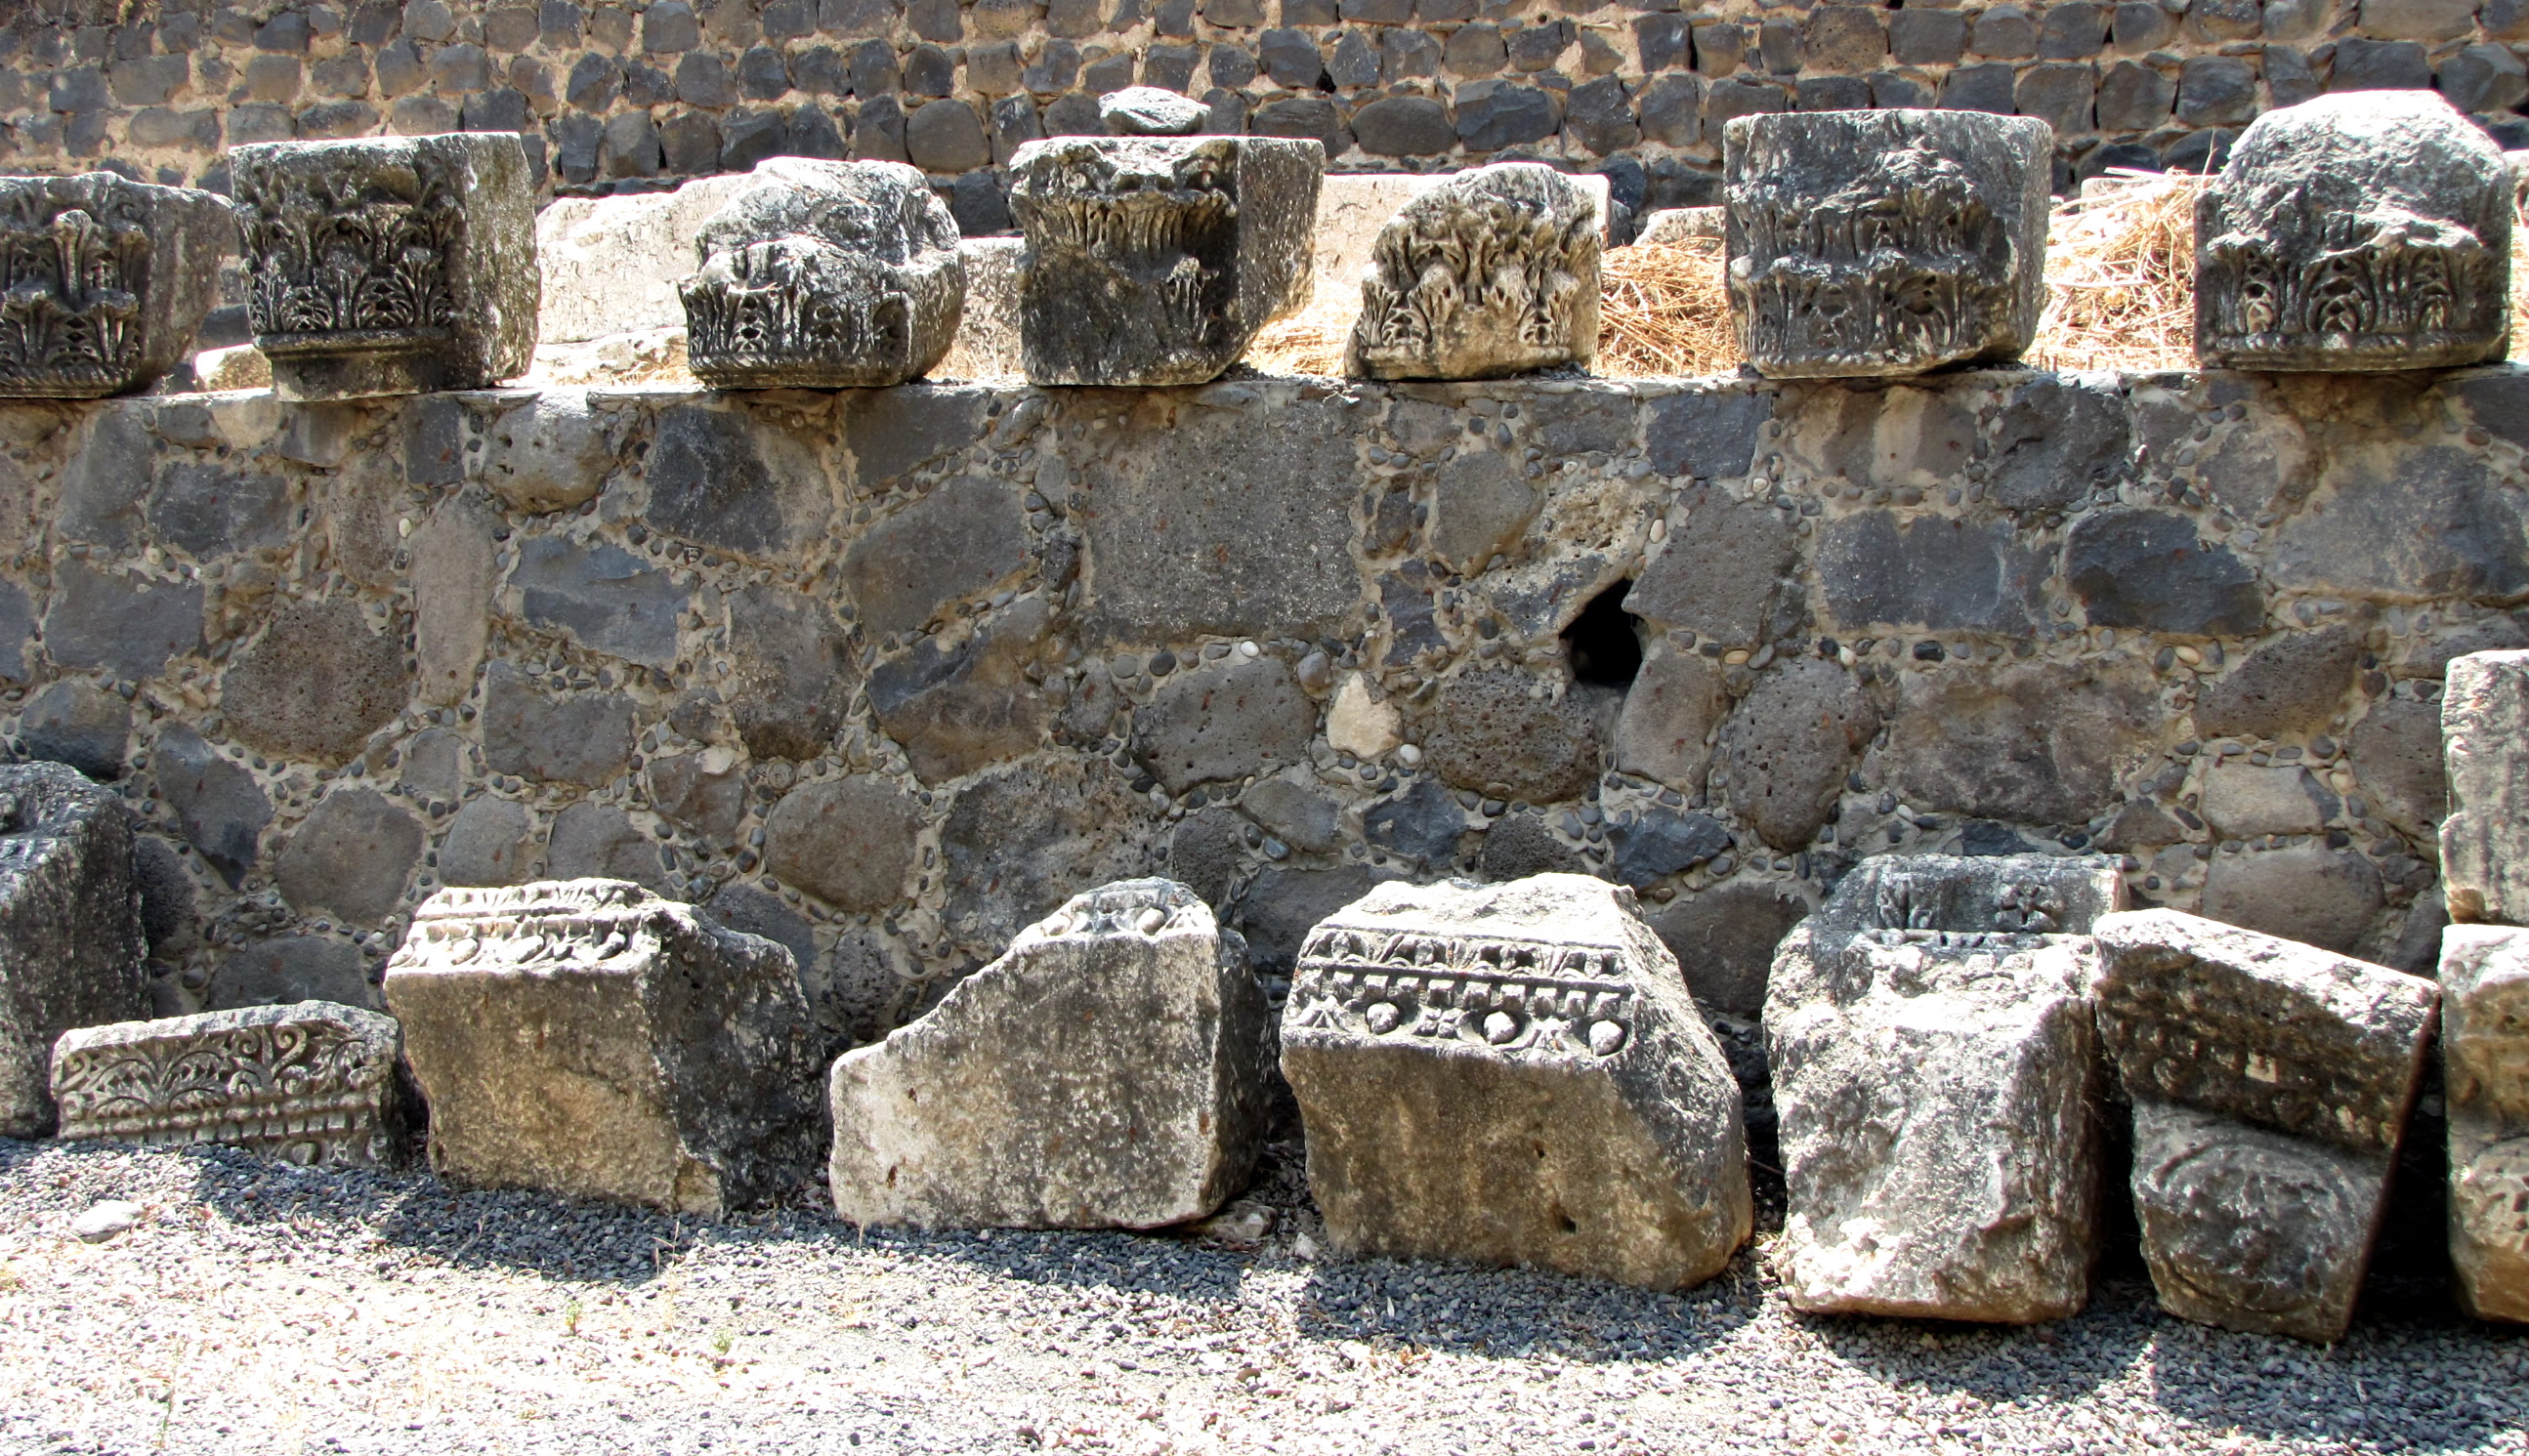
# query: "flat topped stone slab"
389,265
1492,273
824,275
1935,1073
1153,260
312,1083
1106,1071
2485,1062
2361,231
2484,745
1513,1074
70,945
585,1037
103,281
2271,1083
1874,244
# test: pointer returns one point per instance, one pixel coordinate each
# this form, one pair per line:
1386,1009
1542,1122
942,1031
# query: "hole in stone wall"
1604,644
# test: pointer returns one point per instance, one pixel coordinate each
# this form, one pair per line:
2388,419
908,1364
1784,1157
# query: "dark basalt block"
1878,243
825,275
103,281
2365,230
71,942
1155,260
389,265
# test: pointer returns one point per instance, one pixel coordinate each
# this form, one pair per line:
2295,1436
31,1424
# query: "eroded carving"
69,928
1884,243
1492,273
311,1083
2485,1061
102,282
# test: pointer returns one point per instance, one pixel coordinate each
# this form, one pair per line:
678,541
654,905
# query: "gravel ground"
256,1308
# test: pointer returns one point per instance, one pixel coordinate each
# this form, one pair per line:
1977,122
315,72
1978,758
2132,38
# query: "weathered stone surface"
1109,1071
1933,1060
726,477
1206,853
487,843
108,281
1789,745
1156,260
587,1038
317,685
987,346
286,969
1294,812
1718,572
848,841
2485,1063
824,275
1724,940
218,804
2307,893
389,265
209,511
2037,742
961,701
130,625
2149,569
2485,839
1670,711
790,681
1513,1074
1022,836
1880,569
2398,522
75,722
1509,733
601,593
453,584
550,453
1653,843
1147,110
2271,1085
2244,802
2366,230
312,1083
1492,273
2396,756
950,544
1886,243
1520,844
1481,509
71,944
1227,719
585,739
2295,685
599,841
610,265
1354,208
351,858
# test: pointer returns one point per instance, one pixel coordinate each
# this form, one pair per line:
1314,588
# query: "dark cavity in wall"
1604,644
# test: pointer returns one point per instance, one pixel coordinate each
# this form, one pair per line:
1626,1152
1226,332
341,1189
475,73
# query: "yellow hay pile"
2120,286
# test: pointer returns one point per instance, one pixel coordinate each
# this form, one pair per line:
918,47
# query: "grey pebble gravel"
259,1307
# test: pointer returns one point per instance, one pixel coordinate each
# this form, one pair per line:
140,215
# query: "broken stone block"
1934,1063
1106,1071
1513,1074
1876,243
2485,838
2485,1063
1492,273
104,281
1153,260
2271,1082
2359,231
587,1038
1147,110
823,275
610,265
312,1083
71,944
391,265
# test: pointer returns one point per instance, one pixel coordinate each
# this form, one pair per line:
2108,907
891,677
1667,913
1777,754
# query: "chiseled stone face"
103,281
311,1083
2484,1059
824,275
1934,1073
587,1038
70,942
2368,230
1153,260
1492,273
2485,838
389,265
1884,243
1106,1071
2271,1083
1513,1074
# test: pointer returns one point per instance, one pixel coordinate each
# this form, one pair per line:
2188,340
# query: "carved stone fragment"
395,265
2364,229
71,944
2485,837
1934,1062
823,275
312,1083
2485,1062
1513,1074
587,1038
1106,1071
1147,110
103,281
1884,243
1153,260
1492,273
2271,1082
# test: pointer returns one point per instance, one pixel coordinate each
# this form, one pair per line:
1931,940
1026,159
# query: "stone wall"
886,674
614,94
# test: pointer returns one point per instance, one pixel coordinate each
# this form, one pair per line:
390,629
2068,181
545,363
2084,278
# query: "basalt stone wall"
619,94
886,674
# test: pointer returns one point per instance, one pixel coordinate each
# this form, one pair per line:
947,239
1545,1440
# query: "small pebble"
104,1220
